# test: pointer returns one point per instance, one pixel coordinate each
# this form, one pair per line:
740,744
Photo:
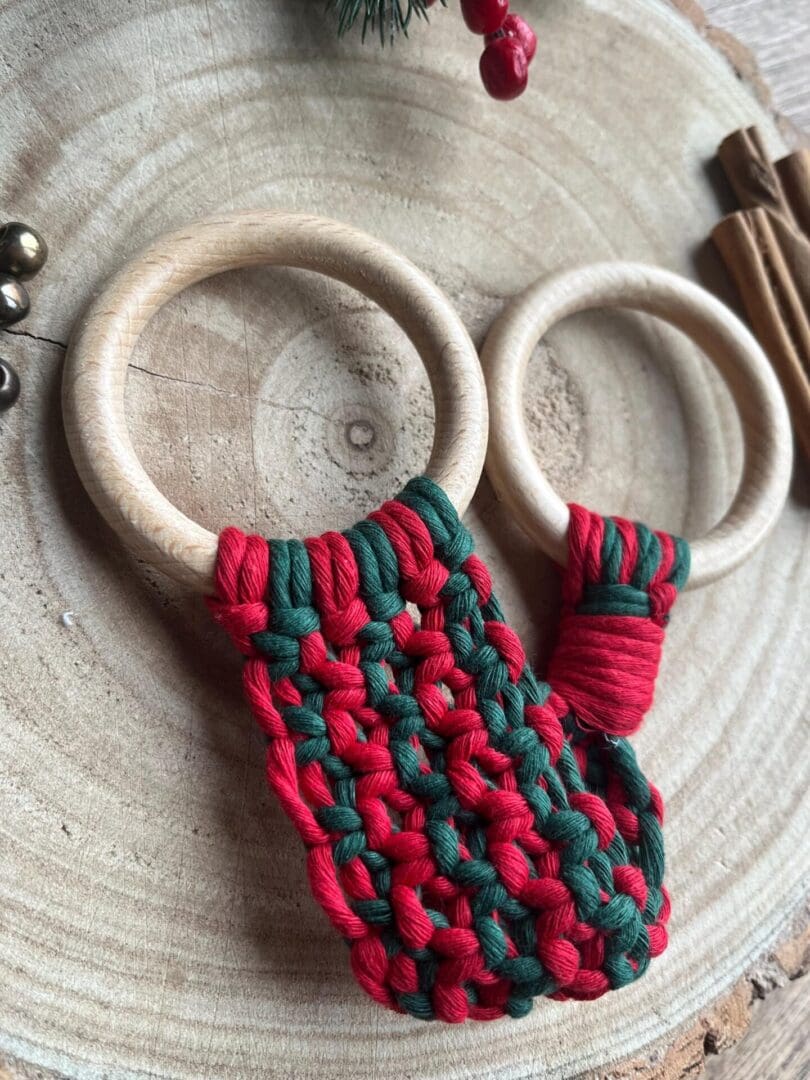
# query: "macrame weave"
479,837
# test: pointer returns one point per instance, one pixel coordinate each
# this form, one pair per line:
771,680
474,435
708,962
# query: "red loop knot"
425,585
478,574
508,645
238,604
662,596
342,626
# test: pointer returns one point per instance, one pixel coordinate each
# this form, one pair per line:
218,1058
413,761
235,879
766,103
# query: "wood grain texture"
778,34
776,1047
728,1021
154,916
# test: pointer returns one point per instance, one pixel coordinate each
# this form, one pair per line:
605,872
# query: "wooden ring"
103,343
767,439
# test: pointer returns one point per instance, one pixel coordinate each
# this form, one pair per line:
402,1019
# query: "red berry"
519,29
504,69
484,16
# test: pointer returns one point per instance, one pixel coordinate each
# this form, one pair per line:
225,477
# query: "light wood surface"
767,437
103,344
776,1046
154,915
777,34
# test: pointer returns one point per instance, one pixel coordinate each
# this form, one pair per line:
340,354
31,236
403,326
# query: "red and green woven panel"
479,837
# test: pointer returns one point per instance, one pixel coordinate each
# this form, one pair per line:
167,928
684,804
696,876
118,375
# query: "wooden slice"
154,912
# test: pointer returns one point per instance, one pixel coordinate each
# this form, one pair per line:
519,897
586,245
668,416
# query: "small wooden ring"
104,341
767,439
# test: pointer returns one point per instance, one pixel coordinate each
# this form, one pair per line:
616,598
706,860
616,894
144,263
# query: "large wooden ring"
768,445
103,343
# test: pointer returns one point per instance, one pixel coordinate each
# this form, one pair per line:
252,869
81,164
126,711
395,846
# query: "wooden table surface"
778,34
128,161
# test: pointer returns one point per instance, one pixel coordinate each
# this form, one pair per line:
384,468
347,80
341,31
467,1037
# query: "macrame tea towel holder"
735,353
479,837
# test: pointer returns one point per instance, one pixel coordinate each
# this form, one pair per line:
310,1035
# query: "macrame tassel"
620,583
469,832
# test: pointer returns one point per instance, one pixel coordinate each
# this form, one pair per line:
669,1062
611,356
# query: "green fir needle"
389,17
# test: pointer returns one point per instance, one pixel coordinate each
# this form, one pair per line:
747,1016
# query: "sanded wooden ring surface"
767,440
103,343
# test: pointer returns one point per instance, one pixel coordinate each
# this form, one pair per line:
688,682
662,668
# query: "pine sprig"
388,17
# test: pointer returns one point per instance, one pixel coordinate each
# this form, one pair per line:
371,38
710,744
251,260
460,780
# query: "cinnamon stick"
794,175
748,167
749,243
795,248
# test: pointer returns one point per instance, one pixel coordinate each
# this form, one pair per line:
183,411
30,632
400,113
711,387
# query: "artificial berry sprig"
510,46
510,43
